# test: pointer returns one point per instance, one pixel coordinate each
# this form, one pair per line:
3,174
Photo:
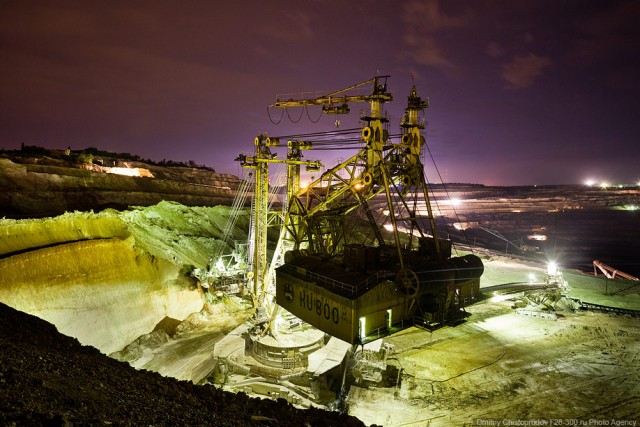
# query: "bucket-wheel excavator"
327,272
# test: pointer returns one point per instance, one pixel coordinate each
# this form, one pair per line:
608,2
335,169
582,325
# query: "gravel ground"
47,378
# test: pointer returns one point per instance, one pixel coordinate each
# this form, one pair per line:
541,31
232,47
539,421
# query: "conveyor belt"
587,306
508,288
512,288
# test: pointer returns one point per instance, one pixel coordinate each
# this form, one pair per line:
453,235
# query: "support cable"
238,204
309,117
271,119
446,192
290,119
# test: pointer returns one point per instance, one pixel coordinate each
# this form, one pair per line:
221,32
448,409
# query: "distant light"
631,207
304,184
590,182
456,202
538,237
638,184
124,171
604,184
552,268
532,278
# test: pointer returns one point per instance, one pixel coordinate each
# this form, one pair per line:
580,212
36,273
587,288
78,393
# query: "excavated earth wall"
46,190
107,278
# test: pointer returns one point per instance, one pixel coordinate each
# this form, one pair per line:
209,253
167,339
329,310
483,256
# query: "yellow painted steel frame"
313,218
260,162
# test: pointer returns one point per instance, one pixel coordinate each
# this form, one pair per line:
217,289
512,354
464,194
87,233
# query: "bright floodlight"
590,182
604,184
532,277
552,268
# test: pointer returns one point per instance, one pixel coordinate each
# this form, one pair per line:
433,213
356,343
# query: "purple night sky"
521,92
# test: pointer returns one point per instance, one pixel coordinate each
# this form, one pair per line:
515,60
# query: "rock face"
108,278
28,190
104,292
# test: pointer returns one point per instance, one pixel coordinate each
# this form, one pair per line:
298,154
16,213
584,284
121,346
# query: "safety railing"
337,285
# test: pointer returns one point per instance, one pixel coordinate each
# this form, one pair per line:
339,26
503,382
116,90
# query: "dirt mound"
50,379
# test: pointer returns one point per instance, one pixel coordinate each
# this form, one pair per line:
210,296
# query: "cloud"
523,70
425,51
428,16
423,20
494,50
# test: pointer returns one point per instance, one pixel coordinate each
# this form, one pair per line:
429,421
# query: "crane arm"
379,93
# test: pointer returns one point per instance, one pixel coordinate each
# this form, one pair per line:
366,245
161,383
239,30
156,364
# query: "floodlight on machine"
552,268
554,275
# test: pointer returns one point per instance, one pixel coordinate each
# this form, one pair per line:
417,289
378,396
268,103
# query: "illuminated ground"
503,365
500,364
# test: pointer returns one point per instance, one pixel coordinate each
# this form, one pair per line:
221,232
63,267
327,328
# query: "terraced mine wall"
106,278
36,190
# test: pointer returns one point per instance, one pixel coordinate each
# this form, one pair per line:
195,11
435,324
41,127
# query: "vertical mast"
414,142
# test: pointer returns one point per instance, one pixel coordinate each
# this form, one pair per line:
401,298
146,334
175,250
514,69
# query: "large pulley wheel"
367,132
407,281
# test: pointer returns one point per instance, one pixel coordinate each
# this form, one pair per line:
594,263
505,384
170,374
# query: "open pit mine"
367,296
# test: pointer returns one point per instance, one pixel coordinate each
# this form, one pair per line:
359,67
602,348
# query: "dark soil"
49,379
